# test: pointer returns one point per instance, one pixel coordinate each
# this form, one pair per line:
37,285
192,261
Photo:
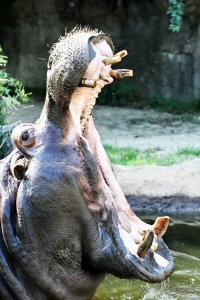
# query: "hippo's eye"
25,136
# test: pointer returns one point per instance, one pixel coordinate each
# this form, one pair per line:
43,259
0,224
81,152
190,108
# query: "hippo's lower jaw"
137,248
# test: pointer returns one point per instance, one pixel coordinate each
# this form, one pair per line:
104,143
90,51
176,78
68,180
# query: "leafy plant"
116,95
175,10
126,95
11,94
184,107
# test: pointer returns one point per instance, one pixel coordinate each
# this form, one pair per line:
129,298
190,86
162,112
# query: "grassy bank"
129,156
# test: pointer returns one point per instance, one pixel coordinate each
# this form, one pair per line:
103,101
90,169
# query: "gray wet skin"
65,222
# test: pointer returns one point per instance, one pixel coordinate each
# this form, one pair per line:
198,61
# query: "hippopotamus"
65,222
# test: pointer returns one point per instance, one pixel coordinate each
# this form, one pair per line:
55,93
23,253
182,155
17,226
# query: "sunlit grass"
129,156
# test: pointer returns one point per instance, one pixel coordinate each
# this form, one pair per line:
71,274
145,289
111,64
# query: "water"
183,239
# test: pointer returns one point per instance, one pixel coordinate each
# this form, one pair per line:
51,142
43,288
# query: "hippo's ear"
19,168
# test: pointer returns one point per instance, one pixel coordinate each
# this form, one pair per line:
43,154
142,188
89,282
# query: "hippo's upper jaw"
65,221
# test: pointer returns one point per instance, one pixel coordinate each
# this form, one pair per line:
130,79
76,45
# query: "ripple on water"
158,292
184,284
146,291
166,291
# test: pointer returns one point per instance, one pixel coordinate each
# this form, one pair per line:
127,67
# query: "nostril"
25,136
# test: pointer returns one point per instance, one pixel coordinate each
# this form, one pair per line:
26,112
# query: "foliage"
11,93
175,10
126,95
116,95
128,156
175,106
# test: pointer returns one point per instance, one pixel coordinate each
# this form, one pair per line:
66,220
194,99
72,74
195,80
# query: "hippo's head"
65,222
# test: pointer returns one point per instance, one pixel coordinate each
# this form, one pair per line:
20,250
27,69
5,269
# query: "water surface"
183,239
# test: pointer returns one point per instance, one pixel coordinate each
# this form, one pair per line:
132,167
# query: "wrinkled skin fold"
65,222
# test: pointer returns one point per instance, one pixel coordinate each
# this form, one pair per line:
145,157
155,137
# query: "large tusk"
121,53
111,60
160,226
86,82
120,73
145,244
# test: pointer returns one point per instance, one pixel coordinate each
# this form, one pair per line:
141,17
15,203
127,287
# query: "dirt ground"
141,129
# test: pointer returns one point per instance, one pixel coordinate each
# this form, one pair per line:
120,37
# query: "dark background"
166,64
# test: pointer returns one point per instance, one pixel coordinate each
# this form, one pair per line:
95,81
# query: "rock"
156,188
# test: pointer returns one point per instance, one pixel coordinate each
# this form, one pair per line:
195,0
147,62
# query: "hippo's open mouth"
138,237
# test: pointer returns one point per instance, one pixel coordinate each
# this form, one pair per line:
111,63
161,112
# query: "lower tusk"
145,245
160,226
86,82
120,73
121,53
104,77
154,247
111,60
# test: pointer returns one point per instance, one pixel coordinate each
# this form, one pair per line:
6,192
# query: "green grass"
129,156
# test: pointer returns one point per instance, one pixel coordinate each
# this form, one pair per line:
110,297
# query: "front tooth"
88,82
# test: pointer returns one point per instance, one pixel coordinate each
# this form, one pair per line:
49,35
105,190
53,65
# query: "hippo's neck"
54,112
63,114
